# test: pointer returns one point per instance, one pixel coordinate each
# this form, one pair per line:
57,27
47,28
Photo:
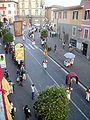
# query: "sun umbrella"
69,55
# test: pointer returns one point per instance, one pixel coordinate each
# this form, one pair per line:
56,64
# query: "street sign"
2,61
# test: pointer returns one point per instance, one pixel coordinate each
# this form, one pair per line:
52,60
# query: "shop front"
86,48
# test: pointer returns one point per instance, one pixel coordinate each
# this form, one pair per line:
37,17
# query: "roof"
69,8
54,6
8,1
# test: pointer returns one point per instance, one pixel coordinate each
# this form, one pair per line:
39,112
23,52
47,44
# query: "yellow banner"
19,52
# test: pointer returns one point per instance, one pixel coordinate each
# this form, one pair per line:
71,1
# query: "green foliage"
52,104
44,33
1,24
4,31
7,38
0,34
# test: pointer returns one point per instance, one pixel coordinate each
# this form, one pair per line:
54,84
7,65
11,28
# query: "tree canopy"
52,104
44,33
1,24
7,38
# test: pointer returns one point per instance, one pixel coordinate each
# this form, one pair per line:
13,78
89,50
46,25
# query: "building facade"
73,26
34,9
49,14
8,10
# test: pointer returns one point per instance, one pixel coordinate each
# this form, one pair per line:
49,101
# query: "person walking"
55,47
27,112
6,74
63,45
88,94
20,80
33,91
13,110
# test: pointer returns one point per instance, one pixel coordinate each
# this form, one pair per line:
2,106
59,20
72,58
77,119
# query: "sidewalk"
81,65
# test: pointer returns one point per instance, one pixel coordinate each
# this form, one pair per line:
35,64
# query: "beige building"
8,10
34,9
49,13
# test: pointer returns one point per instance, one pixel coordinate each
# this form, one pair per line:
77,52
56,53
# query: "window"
3,12
55,15
8,5
75,15
9,11
2,5
65,15
86,33
36,12
60,15
73,30
87,15
23,12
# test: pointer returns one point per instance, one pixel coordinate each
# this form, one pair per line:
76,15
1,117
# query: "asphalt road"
53,75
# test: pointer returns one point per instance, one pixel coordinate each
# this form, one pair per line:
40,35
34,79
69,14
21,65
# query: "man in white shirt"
33,90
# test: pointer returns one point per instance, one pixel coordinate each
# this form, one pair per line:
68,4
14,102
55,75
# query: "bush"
44,33
7,38
4,31
1,24
52,104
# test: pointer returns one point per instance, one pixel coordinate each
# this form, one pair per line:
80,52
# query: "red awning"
2,8
70,75
1,75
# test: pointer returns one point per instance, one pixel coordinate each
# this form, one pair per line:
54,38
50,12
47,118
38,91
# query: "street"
53,75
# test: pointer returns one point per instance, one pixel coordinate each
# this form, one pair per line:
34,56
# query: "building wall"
10,12
32,8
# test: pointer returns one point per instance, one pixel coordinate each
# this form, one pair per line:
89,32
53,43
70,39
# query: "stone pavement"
81,65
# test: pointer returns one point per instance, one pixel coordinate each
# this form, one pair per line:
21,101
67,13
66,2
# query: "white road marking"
79,110
32,83
31,46
62,68
35,46
58,85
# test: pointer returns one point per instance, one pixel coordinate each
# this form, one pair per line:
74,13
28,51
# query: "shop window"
87,15
75,15
74,31
73,42
86,33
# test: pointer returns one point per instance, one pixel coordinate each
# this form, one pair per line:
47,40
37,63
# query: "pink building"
8,10
85,28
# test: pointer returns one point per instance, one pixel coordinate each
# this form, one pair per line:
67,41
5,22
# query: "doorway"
85,47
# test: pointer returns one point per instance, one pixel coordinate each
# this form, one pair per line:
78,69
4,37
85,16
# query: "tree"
7,38
52,104
4,31
44,33
1,24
